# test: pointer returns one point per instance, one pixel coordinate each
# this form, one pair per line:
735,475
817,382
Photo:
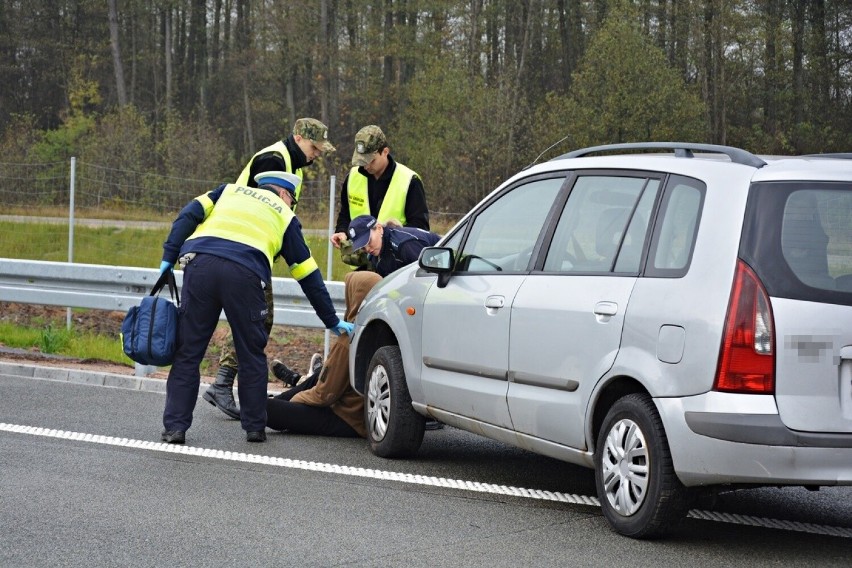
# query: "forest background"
468,92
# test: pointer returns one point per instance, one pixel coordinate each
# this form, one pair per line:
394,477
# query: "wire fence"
101,190
123,210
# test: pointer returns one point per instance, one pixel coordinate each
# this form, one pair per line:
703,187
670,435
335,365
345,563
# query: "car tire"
640,494
394,428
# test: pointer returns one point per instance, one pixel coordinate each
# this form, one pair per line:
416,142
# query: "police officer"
378,185
308,141
227,240
389,247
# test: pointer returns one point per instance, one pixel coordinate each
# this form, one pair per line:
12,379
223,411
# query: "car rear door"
466,323
567,317
799,237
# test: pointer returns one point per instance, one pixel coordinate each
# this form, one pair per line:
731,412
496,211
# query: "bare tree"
168,55
120,88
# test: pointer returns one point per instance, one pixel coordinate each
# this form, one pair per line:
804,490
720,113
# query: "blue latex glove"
343,327
165,265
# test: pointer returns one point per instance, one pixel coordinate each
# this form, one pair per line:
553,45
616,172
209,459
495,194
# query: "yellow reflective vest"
279,148
246,215
393,206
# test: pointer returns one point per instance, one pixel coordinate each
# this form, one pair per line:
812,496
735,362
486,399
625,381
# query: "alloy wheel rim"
378,403
624,467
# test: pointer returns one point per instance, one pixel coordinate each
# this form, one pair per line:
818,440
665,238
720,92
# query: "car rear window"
798,238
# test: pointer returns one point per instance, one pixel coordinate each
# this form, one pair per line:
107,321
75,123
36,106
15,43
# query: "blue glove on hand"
343,327
165,265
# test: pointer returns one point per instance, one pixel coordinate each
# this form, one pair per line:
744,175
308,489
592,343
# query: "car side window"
674,241
603,225
502,235
455,239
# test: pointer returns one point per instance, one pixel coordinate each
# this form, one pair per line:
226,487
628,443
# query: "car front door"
567,317
466,323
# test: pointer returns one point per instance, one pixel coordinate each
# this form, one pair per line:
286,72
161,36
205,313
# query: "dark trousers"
298,418
212,284
228,358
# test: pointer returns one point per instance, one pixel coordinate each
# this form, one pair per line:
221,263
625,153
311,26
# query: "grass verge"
121,246
55,339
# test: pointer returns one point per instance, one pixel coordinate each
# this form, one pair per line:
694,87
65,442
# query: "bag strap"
167,278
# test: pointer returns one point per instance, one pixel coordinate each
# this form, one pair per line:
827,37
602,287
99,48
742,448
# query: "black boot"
285,374
221,393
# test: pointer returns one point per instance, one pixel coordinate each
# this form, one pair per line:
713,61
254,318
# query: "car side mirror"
438,260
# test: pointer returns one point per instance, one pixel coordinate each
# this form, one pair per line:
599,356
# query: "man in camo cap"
380,186
299,150
308,141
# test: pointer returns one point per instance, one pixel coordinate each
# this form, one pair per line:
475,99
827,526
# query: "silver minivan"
676,316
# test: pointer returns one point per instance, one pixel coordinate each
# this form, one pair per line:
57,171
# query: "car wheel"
394,429
640,494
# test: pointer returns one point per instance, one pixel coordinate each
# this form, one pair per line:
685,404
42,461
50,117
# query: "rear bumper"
720,438
760,429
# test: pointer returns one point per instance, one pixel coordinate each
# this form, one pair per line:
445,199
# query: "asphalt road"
121,498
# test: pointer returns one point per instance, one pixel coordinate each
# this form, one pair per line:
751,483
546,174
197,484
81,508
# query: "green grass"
90,346
18,336
53,338
118,246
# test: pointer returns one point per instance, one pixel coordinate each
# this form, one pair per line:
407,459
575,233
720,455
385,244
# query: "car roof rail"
835,155
681,150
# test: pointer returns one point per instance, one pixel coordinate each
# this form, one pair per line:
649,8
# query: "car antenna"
534,162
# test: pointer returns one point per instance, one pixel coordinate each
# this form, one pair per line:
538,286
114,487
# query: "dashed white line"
415,479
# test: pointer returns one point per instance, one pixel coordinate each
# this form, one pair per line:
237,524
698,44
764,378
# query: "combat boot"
221,393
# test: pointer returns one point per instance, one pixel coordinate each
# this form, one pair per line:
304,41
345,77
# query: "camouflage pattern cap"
315,131
368,142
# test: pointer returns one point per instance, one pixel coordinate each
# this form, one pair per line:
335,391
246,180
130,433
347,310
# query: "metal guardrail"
117,288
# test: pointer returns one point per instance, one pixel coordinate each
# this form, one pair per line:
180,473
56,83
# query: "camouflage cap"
368,142
315,131
357,258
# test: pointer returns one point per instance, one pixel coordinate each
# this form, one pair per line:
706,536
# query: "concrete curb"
79,376
94,378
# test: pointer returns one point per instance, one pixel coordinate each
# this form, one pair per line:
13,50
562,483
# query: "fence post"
71,228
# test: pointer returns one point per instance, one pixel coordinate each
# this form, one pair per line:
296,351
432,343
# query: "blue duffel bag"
149,330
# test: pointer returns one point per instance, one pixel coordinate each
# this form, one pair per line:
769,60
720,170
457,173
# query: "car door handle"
494,303
605,310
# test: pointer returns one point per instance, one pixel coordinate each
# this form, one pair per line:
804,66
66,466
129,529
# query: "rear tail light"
747,356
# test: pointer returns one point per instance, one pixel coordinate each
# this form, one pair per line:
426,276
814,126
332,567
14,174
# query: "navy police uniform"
400,247
235,233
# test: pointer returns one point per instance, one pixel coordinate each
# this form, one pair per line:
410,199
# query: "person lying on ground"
326,404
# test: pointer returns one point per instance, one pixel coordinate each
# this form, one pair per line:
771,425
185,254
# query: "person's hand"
343,327
165,265
337,238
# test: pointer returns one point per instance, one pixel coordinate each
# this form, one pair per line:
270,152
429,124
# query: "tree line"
467,91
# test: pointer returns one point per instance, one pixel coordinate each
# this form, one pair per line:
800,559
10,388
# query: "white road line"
415,479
